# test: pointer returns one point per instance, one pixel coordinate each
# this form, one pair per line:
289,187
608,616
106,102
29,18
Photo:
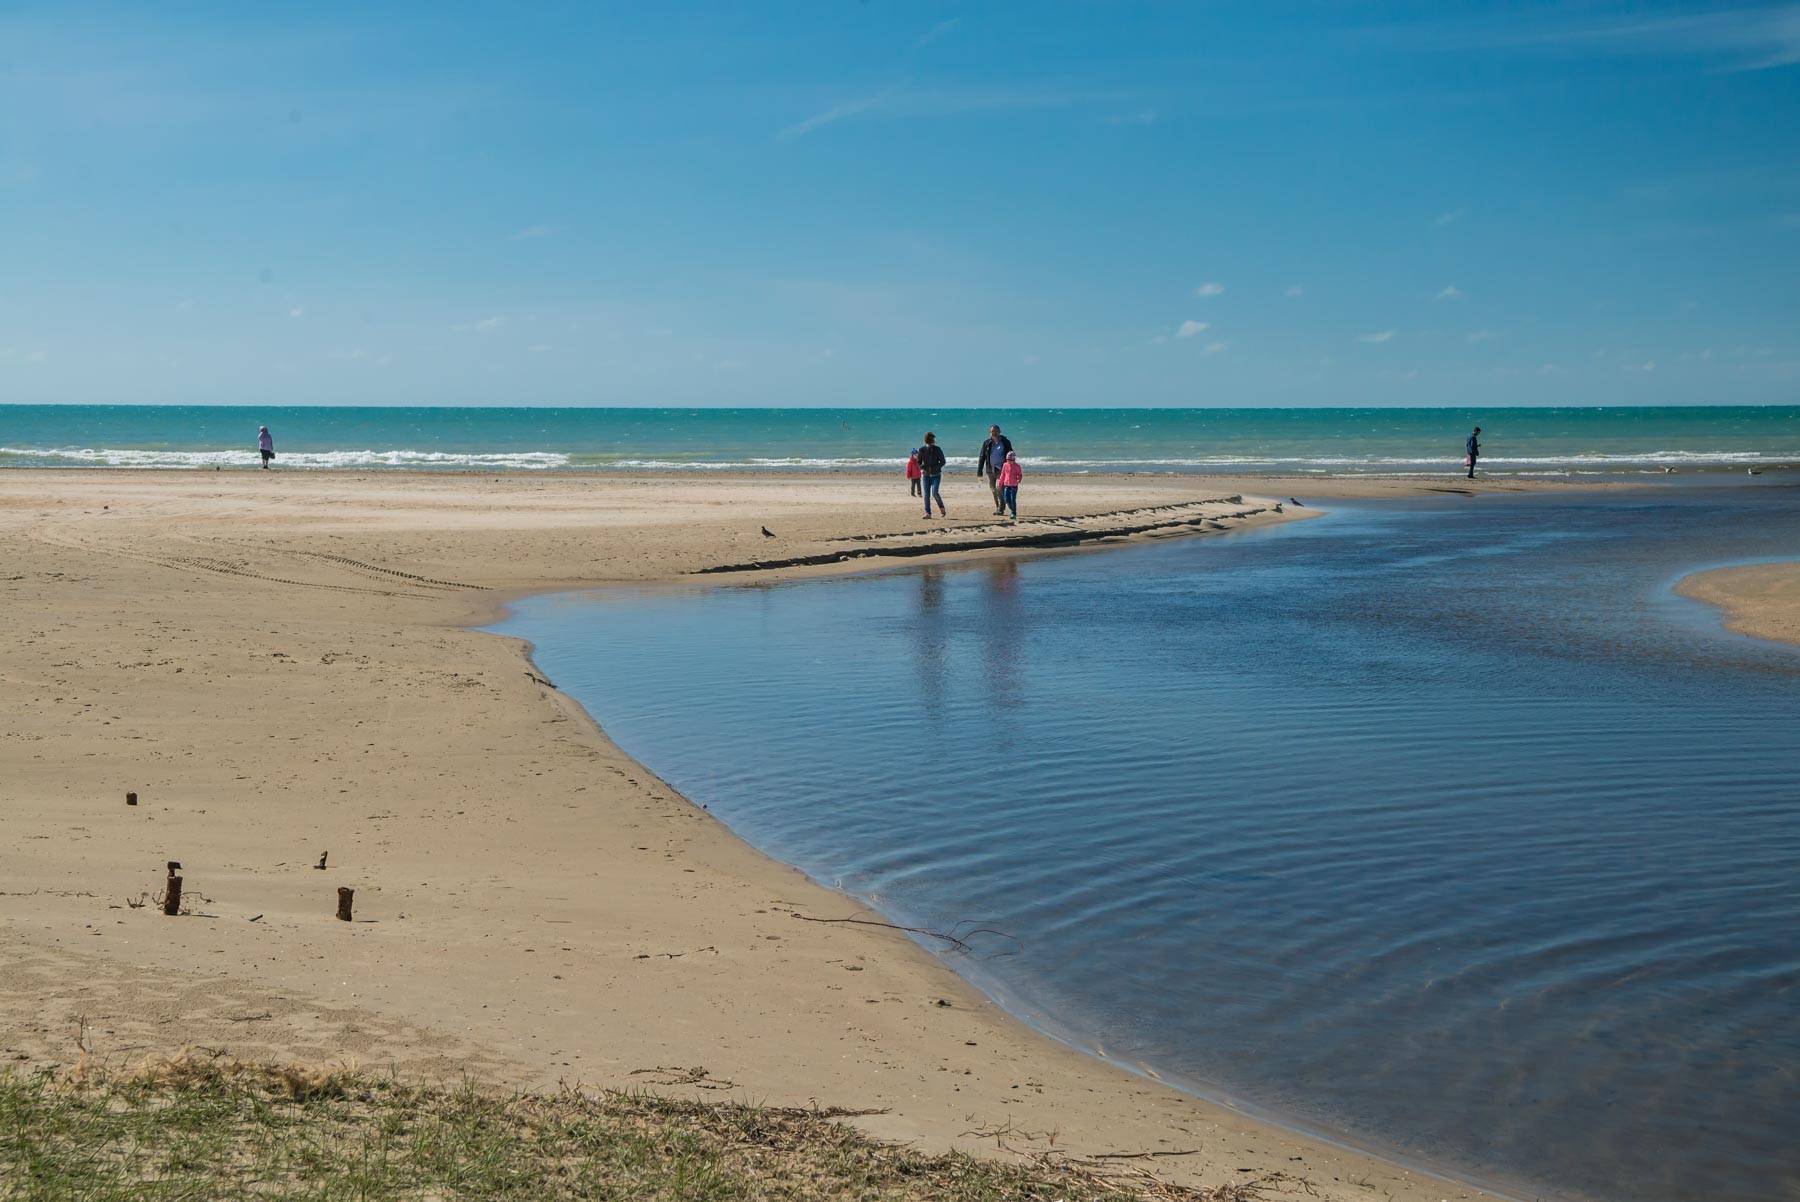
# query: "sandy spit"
280,665
1758,599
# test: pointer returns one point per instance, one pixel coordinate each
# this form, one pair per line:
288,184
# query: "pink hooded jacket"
1010,471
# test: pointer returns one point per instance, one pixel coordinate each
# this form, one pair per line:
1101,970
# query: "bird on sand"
768,533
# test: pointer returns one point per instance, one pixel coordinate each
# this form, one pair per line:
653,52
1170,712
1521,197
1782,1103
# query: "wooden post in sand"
131,799
345,897
172,890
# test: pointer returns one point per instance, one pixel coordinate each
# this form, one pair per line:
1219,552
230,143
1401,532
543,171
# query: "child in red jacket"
912,471
1010,475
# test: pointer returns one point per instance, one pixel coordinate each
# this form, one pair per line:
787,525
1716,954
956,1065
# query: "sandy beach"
1758,599
281,666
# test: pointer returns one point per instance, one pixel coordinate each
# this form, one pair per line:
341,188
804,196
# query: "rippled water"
1447,827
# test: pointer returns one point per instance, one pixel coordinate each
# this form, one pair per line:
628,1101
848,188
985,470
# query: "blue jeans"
931,490
1009,497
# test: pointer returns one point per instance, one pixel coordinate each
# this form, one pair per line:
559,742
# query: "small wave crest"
318,460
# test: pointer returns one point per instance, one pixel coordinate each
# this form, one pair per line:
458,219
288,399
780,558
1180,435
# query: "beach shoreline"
482,815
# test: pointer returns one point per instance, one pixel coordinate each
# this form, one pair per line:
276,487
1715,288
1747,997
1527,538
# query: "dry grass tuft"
200,1126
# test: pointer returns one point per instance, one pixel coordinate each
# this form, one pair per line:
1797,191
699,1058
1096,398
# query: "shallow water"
1444,827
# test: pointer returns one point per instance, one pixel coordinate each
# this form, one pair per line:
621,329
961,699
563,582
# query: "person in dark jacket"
992,458
1472,451
931,473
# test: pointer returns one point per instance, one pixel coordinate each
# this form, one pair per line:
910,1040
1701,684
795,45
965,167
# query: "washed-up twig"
251,1018
1138,1155
696,1076
959,942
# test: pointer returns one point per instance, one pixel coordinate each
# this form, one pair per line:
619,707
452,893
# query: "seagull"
1291,501
768,533
1753,471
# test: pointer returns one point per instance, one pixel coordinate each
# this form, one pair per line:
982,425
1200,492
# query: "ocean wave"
318,460
131,457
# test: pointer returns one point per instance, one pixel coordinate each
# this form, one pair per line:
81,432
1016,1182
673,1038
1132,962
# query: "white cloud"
1188,329
530,231
296,312
1482,336
1214,348
1449,218
1293,291
484,326
1377,336
1647,365
538,348
1030,360
1549,369
1210,288
1450,293
347,356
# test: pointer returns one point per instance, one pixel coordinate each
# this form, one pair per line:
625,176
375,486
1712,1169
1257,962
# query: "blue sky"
878,203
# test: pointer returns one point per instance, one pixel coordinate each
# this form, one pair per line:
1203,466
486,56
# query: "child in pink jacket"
1010,475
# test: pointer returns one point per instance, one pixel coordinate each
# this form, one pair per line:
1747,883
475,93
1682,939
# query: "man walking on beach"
1473,451
992,458
931,473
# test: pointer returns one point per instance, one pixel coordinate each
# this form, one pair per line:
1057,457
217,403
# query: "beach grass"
195,1128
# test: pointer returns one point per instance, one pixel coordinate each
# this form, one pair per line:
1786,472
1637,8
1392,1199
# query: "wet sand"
1758,599
281,666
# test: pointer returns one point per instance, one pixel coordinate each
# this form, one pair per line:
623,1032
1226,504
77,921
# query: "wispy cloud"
1188,329
1294,292
937,31
1549,369
838,112
1377,336
1450,293
1448,218
1210,288
531,231
1141,117
358,353
296,311
1482,336
1215,348
1648,365
484,326
1745,39
902,100
538,348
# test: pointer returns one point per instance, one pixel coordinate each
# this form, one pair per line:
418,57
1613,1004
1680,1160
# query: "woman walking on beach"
1010,475
931,473
912,472
265,445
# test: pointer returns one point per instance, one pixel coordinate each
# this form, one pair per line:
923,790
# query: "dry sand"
280,665
1759,599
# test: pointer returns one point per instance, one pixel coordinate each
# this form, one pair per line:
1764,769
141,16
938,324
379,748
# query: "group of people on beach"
997,463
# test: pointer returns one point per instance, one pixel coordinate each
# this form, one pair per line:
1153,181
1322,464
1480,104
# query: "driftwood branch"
960,942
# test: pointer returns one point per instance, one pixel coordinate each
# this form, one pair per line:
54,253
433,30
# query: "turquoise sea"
1520,441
